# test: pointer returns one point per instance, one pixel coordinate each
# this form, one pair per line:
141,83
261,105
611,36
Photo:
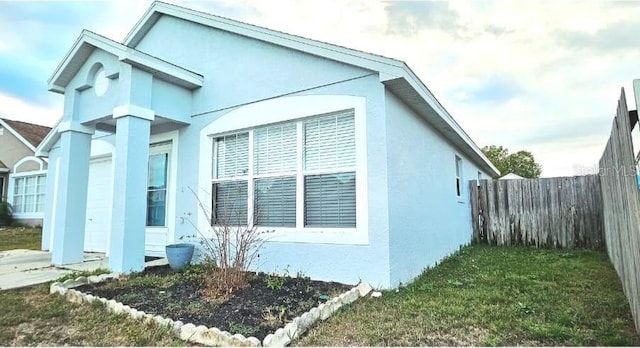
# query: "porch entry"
99,198
157,204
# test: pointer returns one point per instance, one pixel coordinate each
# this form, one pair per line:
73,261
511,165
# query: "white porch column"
128,217
71,193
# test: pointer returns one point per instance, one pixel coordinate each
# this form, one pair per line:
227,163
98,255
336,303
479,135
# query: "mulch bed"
256,310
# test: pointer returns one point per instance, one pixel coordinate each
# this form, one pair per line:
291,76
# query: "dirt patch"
256,310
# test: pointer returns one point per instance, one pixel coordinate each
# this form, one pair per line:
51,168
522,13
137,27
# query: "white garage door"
98,223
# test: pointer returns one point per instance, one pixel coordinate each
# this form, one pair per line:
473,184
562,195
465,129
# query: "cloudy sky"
538,76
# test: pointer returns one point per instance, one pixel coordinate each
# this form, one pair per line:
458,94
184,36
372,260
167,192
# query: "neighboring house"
511,176
346,156
22,175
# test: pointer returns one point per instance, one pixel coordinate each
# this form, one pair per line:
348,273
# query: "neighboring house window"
28,194
479,177
459,177
1,189
315,156
157,190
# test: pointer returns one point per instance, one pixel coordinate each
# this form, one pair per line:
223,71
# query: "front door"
157,202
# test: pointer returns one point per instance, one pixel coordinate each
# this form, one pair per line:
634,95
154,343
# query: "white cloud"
18,109
541,76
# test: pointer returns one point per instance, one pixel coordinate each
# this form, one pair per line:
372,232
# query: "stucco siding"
341,262
427,219
13,150
88,106
236,69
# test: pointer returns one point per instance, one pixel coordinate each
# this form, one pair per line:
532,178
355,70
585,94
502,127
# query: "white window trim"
26,159
291,109
10,190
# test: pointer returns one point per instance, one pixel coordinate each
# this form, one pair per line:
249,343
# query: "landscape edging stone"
212,336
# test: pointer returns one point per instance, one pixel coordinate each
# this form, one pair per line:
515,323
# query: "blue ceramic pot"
179,255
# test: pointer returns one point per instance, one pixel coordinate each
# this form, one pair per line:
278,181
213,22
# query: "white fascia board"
387,66
17,135
53,87
154,65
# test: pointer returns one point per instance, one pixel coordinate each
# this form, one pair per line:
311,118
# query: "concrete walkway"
20,267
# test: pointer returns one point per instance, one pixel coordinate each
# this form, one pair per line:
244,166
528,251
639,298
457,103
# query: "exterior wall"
240,71
49,207
84,105
426,218
13,150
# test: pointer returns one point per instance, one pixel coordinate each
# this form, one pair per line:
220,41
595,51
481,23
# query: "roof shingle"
33,133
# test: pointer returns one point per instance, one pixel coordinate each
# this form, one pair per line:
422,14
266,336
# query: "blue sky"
540,76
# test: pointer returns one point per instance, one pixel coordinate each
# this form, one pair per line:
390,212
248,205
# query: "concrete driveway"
21,267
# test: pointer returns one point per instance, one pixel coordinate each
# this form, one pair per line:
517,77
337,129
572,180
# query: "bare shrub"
229,250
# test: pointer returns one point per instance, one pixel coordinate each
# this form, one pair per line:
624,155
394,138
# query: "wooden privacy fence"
549,212
593,211
621,205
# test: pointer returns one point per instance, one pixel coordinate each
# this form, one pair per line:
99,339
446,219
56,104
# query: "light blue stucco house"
345,155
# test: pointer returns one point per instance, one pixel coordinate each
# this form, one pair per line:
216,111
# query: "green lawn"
20,238
493,296
481,296
32,317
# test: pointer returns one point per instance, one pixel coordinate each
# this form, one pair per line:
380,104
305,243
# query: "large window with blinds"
297,174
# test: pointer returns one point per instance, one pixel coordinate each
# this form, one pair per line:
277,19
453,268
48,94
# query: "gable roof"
3,168
88,41
394,74
31,135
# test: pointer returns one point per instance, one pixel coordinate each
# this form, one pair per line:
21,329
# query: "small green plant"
274,281
6,214
76,274
238,328
274,315
194,273
130,298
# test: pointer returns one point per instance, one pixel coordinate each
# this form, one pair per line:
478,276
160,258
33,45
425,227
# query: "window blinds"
330,200
329,142
230,202
232,154
274,149
275,201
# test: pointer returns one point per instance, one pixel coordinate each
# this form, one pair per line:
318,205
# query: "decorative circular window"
100,82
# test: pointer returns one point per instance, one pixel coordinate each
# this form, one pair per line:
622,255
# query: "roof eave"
388,69
164,70
47,143
418,97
